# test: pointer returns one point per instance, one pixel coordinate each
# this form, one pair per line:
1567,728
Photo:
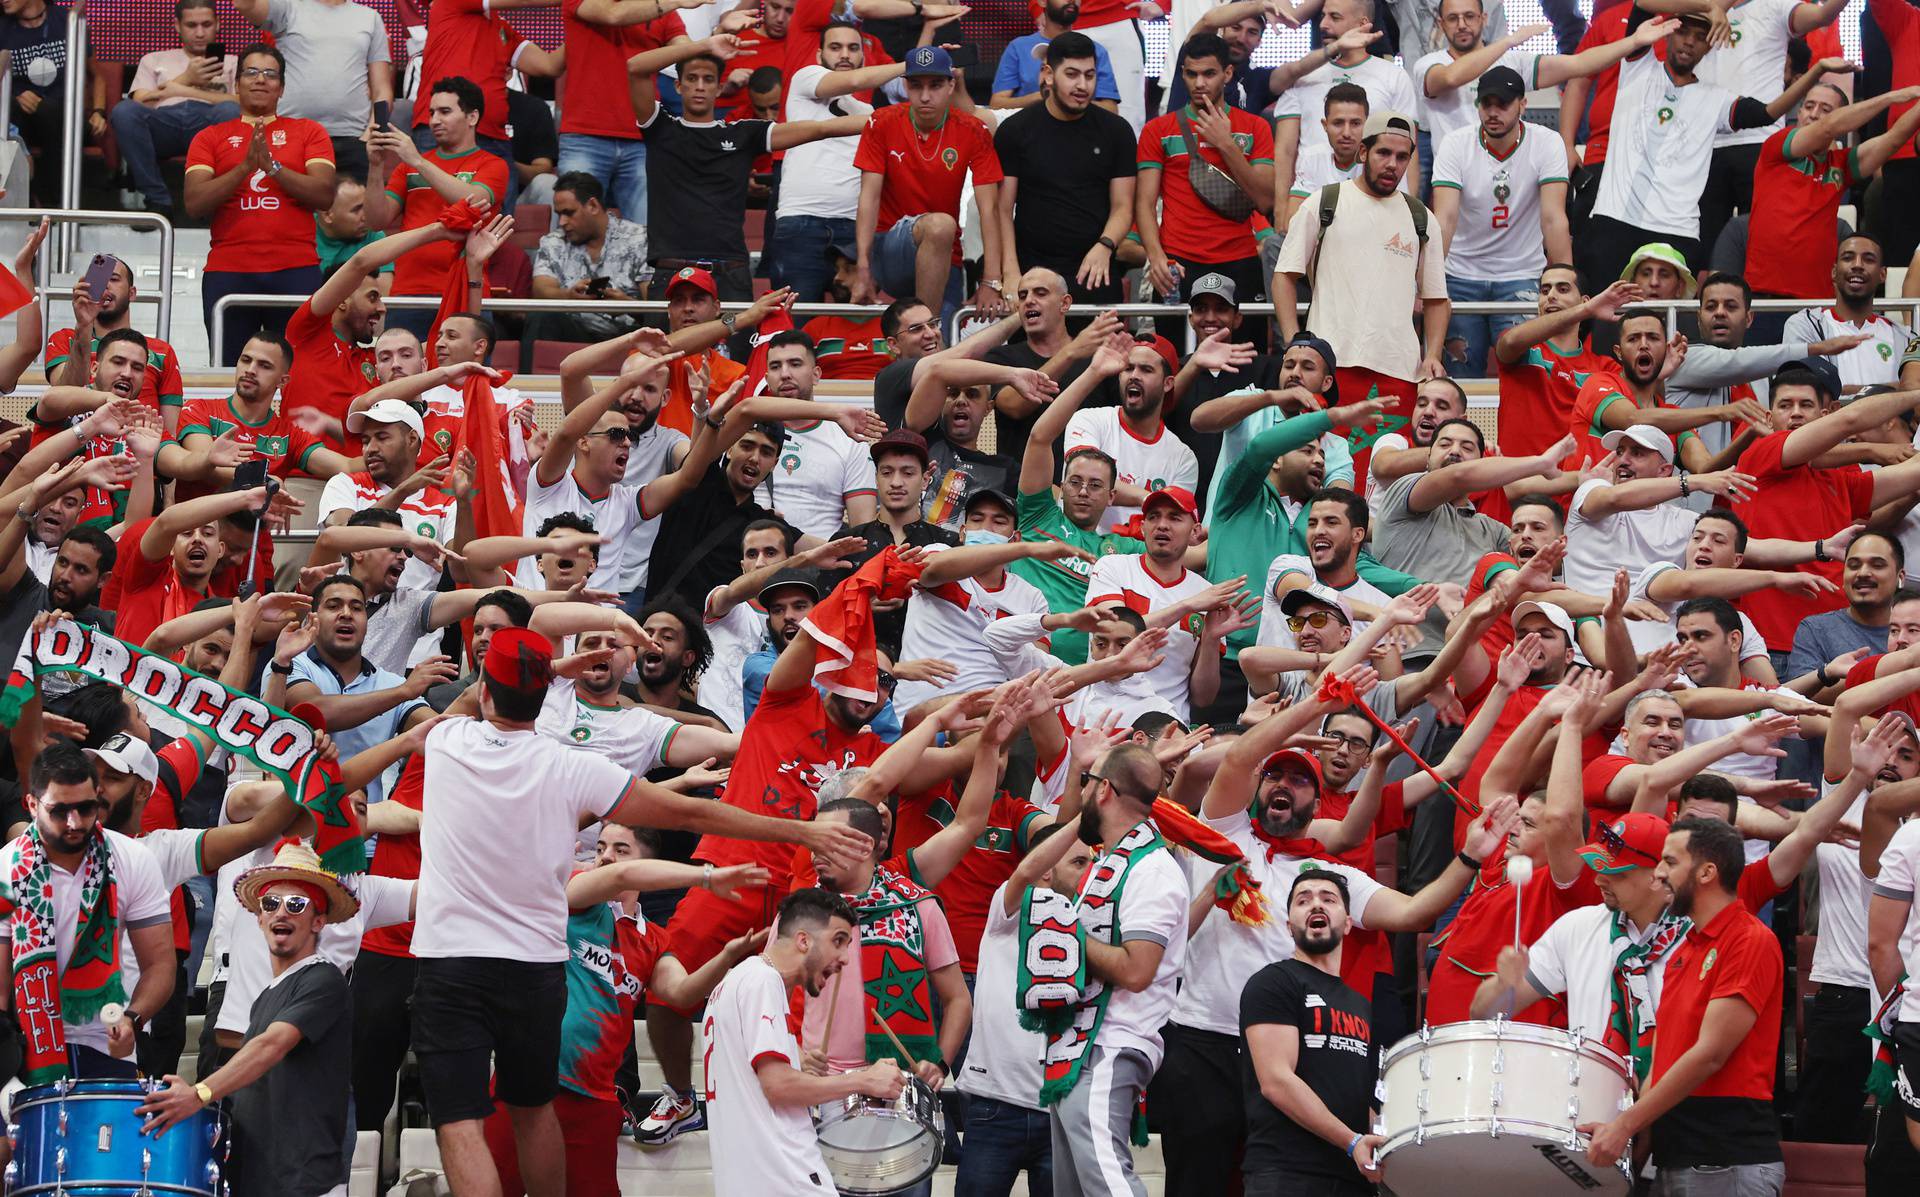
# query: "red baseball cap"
1165,349
1179,496
1633,841
520,659
693,276
1296,756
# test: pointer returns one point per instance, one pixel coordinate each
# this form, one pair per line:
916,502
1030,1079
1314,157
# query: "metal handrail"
1673,308
617,307
62,217
72,141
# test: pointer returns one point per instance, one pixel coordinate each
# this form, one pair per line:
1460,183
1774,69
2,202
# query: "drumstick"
833,1007
1519,871
897,1045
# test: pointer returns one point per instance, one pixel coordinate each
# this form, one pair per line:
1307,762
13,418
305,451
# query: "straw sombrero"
296,862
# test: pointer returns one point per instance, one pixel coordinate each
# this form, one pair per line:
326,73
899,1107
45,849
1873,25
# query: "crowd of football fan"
905,665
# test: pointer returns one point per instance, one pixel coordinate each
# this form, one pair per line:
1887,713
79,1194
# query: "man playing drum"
1308,1071
758,1099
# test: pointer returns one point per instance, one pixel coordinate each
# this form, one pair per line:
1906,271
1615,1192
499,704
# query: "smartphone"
598,286
382,114
249,474
217,51
964,56
99,274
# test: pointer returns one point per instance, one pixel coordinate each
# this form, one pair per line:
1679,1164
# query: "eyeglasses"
60,812
295,903
1354,742
615,436
1088,777
1319,619
1087,484
921,327
267,73
1616,844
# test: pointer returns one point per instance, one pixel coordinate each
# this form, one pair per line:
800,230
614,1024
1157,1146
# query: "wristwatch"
919,8
995,284
1108,242
204,1092
726,320
283,670
1819,550
275,166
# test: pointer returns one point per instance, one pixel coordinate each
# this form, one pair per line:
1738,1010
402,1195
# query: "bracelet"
1820,675
1108,242
1685,489
283,670
1355,1143
1469,861
706,876
1820,551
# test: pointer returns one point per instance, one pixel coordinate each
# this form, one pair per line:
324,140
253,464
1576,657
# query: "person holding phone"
175,94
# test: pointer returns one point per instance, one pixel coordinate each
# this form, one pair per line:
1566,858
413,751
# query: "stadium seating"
1825,1169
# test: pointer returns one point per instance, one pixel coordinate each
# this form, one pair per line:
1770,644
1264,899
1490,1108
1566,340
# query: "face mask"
982,536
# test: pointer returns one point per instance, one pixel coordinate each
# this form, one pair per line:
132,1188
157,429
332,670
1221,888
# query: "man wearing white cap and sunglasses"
393,438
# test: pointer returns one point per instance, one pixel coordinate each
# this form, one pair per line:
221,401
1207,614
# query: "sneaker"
672,1115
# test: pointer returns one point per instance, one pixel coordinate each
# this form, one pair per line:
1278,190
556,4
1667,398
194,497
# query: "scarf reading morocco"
269,737
92,978
893,960
1058,996
1631,1012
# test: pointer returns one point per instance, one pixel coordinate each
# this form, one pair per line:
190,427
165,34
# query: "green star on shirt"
893,991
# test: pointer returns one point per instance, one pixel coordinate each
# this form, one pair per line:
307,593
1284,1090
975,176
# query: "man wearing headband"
288,1082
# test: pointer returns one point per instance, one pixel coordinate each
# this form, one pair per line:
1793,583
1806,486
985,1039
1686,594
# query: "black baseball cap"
1502,83
791,576
988,494
1822,370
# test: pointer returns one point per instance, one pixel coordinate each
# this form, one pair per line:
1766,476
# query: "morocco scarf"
1058,996
1630,1013
893,963
1881,1077
42,995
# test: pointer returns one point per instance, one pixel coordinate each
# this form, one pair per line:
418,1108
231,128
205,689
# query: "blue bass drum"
83,1138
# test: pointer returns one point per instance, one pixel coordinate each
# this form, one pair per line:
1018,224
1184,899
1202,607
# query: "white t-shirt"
1315,168
1273,621
650,456
1225,954
1576,957
1840,949
615,515
1124,578
634,738
1755,64
949,623
819,469
1440,116
1386,83
1498,235
1164,460
1874,361
143,902
501,815
1648,634
1153,906
758,1147
1899,874
427,512
1003,1057
735,636
40,560
1623,540
1661,147
819,178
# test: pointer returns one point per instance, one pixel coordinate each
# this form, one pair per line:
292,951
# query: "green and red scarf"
893,963
1630,1013
281,744
1058,996
44,997
1880,1078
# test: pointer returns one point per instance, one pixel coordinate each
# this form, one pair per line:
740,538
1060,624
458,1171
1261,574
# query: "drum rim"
1455,1127
1481,1030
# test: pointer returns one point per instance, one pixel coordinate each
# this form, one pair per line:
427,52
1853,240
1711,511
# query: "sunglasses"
615,436
1318,619
60,812
1615,845
886,681
295,903
1088,777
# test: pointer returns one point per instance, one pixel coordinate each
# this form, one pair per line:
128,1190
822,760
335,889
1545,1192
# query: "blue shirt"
309,666
1019,70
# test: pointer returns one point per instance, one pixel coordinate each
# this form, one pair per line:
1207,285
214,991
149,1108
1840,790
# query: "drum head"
1469,1162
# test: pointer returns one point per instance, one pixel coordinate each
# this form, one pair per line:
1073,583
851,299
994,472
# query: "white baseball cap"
1556,615
1316,592
123,753
1644,435
387,411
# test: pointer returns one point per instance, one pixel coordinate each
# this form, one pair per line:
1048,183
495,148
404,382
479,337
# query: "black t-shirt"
1336,1061
1263,372
956,474
534,135
1010,435
290,1126
698,546
697,178
39,53
892,388
1066,169
890,626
